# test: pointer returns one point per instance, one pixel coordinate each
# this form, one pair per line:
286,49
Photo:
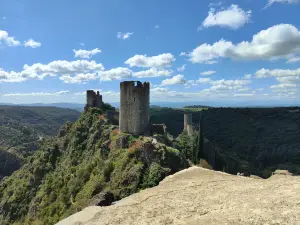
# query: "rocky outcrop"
201,196
102,199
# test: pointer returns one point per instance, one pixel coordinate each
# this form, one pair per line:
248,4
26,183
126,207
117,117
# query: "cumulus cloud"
178,79
263,73
163,60
248,76
279,41
86,54
271,2
293,60
124,36
208,73
36,94
80,78
8,40
244,95
152,72
32,44
55,68
233,17
289,81
115,74
103,93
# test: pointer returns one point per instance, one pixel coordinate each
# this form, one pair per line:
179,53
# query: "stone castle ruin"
134,107
188,123
93,99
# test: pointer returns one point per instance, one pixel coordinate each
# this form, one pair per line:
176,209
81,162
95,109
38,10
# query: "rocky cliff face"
200,196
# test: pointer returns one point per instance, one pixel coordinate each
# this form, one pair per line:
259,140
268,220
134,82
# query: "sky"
189,50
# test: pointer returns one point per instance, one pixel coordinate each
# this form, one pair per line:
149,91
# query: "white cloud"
248,76
82,43
279,41
178,79
79,78
163,60
271,2
283,86
215,4
263,73
124,36
181,68
152,72
201,80
56,68
103,93
156,26
32,44
36,94
8,40
115,74
208,73
86,54
244,95
233,17
293,60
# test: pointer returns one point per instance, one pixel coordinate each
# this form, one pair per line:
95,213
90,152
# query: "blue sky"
219,51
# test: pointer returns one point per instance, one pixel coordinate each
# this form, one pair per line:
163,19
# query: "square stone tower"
93,99
134,107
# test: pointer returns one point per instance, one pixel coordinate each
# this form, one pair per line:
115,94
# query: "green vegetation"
249,140
87,157
22,127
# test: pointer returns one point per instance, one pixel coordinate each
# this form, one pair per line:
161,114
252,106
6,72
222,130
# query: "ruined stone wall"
93,99
159,129
134,107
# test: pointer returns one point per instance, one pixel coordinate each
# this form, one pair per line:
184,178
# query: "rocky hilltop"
72,170
201,196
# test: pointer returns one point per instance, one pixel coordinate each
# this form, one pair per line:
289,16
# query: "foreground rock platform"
201,196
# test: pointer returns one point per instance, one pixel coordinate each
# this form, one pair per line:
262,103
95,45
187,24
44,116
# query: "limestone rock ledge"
201,196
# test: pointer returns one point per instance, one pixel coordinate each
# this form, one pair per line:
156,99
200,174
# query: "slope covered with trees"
86,158
259,139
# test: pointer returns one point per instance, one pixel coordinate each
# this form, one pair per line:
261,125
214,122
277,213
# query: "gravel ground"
200,196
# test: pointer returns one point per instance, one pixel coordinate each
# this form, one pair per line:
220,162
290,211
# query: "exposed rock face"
200,196
102,199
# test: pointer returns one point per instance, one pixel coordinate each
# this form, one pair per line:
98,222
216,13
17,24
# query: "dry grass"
135,145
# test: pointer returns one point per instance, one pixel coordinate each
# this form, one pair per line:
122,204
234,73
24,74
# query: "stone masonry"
134,107
93,99
188,123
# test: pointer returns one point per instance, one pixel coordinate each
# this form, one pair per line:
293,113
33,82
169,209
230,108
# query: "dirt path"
200,196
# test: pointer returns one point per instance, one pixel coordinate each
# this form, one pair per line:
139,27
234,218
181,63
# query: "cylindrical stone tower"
188,120
134,107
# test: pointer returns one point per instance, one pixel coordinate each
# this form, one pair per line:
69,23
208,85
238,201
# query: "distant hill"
21,127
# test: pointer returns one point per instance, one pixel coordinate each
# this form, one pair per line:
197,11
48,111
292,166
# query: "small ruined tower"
188,123
93,99
134,107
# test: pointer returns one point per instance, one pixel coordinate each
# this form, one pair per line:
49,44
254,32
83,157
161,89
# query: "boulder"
102,199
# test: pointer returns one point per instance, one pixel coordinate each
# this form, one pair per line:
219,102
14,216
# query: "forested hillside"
86,158
22,127
265,138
